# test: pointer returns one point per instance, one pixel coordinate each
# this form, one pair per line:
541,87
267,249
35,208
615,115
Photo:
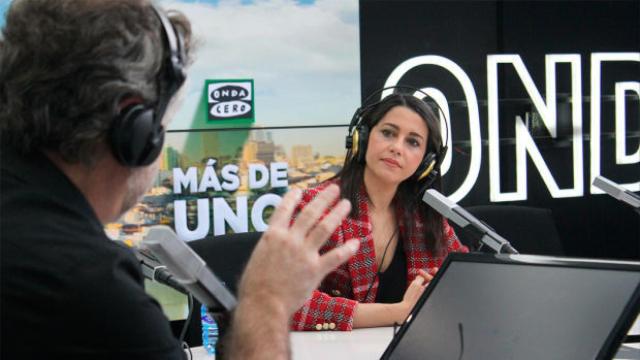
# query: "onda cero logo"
230,99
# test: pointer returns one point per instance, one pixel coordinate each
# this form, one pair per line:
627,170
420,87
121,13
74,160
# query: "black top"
67,291
393,281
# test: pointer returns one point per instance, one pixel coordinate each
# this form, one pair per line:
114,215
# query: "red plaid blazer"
333,304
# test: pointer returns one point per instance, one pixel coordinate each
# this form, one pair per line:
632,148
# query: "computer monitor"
486,306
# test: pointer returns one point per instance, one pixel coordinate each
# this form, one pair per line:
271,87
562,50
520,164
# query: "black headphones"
358,138
137,134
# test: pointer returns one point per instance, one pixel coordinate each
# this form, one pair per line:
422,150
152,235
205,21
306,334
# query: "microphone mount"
153,270
618,192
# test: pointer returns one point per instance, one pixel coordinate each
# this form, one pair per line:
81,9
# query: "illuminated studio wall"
541,97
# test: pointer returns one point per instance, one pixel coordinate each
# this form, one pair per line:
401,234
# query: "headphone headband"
361,111
137,133
357,138
174,63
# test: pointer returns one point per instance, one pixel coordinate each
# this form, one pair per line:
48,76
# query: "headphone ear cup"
427,172
426,167
363,139
352,142
136,139
153,147
353,136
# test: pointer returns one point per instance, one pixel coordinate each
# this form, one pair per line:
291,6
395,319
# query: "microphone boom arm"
465,220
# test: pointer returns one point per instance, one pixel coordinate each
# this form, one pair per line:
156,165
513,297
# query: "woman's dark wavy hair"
66,65
407,196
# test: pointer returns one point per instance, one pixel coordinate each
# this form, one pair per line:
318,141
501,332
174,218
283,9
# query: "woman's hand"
375,314
413,293
429,274
415,290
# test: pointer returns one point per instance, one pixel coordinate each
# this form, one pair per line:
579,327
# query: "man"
84,89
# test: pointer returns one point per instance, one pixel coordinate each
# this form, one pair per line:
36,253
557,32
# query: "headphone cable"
378,273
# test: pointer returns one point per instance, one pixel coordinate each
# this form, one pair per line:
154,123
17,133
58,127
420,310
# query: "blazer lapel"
362,265
414,247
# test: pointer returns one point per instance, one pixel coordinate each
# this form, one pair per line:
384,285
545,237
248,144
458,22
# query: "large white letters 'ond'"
472,103
524,141
621,158
621,126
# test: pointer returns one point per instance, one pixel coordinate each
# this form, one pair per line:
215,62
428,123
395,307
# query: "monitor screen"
521,307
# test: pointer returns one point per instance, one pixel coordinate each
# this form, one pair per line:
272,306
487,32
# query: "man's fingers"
315,209
283,212
319,234
337,256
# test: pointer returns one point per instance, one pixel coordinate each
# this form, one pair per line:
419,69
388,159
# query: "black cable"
187,320
396,328
381,262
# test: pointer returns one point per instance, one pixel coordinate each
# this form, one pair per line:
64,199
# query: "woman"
403,241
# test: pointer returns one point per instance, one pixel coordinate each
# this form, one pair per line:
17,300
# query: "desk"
362,344
359,344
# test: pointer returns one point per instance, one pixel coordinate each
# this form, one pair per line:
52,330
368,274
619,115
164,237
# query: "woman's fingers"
425,275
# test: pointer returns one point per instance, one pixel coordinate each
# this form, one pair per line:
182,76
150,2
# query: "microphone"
466,221
188,269
153,270
617,191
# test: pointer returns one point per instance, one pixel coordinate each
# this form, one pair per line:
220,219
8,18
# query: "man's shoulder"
35,222
61,247
88,296
40,204
61,243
